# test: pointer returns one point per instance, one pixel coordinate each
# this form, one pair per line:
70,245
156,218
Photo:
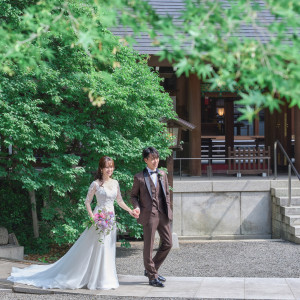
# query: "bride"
88,263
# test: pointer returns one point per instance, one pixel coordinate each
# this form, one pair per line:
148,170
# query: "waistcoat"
158,197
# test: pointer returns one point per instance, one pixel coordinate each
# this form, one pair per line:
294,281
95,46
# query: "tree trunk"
34,214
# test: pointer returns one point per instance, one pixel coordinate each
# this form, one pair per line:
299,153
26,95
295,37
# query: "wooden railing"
249,160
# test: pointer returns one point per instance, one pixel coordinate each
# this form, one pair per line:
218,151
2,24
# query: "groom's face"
152,162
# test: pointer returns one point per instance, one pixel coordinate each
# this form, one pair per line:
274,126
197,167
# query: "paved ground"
198,270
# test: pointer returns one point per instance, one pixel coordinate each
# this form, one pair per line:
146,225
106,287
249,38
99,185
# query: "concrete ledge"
192,186
12,251
284,183
5,284
226,237
30,290
241,186
222,186
283,192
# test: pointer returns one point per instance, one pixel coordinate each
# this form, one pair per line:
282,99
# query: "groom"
151,201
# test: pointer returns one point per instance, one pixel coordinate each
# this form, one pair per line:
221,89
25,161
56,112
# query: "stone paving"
176,287
191,288
137,287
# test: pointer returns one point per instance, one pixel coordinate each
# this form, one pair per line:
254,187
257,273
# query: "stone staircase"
286,219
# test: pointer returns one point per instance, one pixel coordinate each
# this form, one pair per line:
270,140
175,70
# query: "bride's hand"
132,213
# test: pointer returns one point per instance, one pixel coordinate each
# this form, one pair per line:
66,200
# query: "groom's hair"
150,150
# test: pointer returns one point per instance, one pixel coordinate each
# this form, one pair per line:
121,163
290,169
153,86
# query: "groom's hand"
136,212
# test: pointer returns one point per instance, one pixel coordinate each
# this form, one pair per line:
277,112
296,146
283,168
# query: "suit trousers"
160,222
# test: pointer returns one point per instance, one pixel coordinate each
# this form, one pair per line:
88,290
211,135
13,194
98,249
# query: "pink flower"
104,221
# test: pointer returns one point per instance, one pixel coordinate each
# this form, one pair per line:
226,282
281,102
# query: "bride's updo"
104,162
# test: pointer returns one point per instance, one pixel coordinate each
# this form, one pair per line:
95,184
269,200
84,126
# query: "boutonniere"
159,175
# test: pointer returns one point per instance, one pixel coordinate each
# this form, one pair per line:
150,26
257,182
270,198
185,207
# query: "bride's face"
108,170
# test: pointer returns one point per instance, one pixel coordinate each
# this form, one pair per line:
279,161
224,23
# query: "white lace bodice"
106,194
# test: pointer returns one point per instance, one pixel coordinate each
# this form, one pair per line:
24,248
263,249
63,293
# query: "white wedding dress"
88,263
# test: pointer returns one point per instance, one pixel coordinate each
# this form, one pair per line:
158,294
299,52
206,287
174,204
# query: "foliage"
203,40
16,216
47,85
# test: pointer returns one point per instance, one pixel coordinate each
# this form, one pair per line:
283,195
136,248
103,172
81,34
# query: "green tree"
63,111
203,41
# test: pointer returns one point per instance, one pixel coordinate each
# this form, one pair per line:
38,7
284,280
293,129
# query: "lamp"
174,131
221,111
175,128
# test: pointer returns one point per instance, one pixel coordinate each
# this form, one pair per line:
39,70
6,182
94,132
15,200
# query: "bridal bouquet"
104,221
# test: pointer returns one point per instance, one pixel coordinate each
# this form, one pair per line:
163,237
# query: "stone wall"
285,217
9,246
222,209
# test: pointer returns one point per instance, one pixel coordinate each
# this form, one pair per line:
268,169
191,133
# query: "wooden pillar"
182,112
229,125
256,125
170,168
181,98
194,107
297,137
293,120
278,127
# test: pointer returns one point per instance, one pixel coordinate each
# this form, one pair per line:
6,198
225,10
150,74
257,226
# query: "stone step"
292,220
290,210
287,236
295,230
297,239
283,201
293,238
284,183
283,192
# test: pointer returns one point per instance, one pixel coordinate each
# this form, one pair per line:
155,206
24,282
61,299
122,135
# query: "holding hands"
135,213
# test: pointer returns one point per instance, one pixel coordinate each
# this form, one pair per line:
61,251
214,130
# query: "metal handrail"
224,158
290,167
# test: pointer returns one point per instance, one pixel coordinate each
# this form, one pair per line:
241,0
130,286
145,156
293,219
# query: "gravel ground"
265,258
261,258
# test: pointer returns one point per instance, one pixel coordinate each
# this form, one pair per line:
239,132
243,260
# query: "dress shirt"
153,176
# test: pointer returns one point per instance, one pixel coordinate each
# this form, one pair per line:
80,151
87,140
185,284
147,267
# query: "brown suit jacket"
141,195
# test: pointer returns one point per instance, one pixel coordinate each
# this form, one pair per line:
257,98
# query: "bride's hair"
105,161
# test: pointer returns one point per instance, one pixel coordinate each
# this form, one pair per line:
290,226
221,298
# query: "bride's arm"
121,202
89,199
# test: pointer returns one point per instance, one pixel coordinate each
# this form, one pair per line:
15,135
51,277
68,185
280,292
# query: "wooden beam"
154,62
229,125
194,106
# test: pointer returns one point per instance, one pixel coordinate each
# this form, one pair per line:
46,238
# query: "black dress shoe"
159,277
156,282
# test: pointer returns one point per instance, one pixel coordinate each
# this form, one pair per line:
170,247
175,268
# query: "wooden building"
215,113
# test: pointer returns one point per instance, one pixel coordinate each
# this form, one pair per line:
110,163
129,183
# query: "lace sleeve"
119,196
119,199
91,193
